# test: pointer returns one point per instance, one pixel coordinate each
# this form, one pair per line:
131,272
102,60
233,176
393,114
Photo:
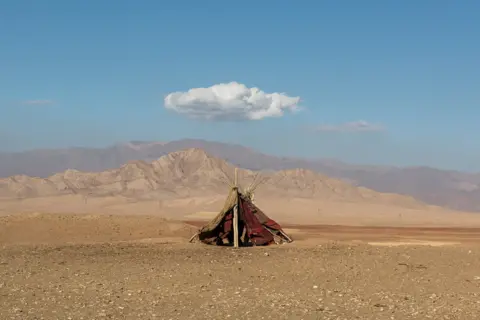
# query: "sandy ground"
284,210
141,267
36,228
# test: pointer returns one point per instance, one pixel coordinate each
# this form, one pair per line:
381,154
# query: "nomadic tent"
241,223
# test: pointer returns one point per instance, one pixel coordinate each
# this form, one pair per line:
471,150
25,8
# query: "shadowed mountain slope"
456,190
191,173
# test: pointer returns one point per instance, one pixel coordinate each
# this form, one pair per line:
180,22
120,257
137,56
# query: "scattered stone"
149,281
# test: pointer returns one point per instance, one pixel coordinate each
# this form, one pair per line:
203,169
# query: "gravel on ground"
195,281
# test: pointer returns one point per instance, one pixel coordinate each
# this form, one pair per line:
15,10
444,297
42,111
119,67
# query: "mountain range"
191,173
451,189
192,184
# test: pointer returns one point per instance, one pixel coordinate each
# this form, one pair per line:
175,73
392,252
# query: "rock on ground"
179,281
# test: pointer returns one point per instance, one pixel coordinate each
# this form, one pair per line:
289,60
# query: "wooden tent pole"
193,237
285,235
235,214
236,177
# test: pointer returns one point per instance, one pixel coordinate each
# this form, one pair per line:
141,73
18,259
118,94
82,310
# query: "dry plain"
74,266
114,245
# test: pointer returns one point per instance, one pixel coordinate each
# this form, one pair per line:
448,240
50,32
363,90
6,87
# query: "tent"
241,223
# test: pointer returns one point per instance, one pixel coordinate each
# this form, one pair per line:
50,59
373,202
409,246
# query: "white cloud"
38,102
354,126
230,101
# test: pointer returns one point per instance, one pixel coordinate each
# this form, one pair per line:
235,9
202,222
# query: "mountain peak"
190,154
188,173
457,190
140,145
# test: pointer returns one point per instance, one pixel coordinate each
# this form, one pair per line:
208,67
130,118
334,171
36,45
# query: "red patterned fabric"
227,224
260,229
256,232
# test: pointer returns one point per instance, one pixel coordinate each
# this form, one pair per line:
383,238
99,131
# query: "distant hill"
455,190
189,173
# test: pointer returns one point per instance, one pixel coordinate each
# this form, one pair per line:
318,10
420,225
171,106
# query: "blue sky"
93,73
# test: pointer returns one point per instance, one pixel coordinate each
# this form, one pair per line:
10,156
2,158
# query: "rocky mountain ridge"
451,189
188,173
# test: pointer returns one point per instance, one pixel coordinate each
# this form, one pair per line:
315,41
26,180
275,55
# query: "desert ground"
290,210
74,266
114,245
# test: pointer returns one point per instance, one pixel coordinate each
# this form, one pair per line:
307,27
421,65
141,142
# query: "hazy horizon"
300,157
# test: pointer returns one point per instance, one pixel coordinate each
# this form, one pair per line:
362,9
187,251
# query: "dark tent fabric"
254,226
